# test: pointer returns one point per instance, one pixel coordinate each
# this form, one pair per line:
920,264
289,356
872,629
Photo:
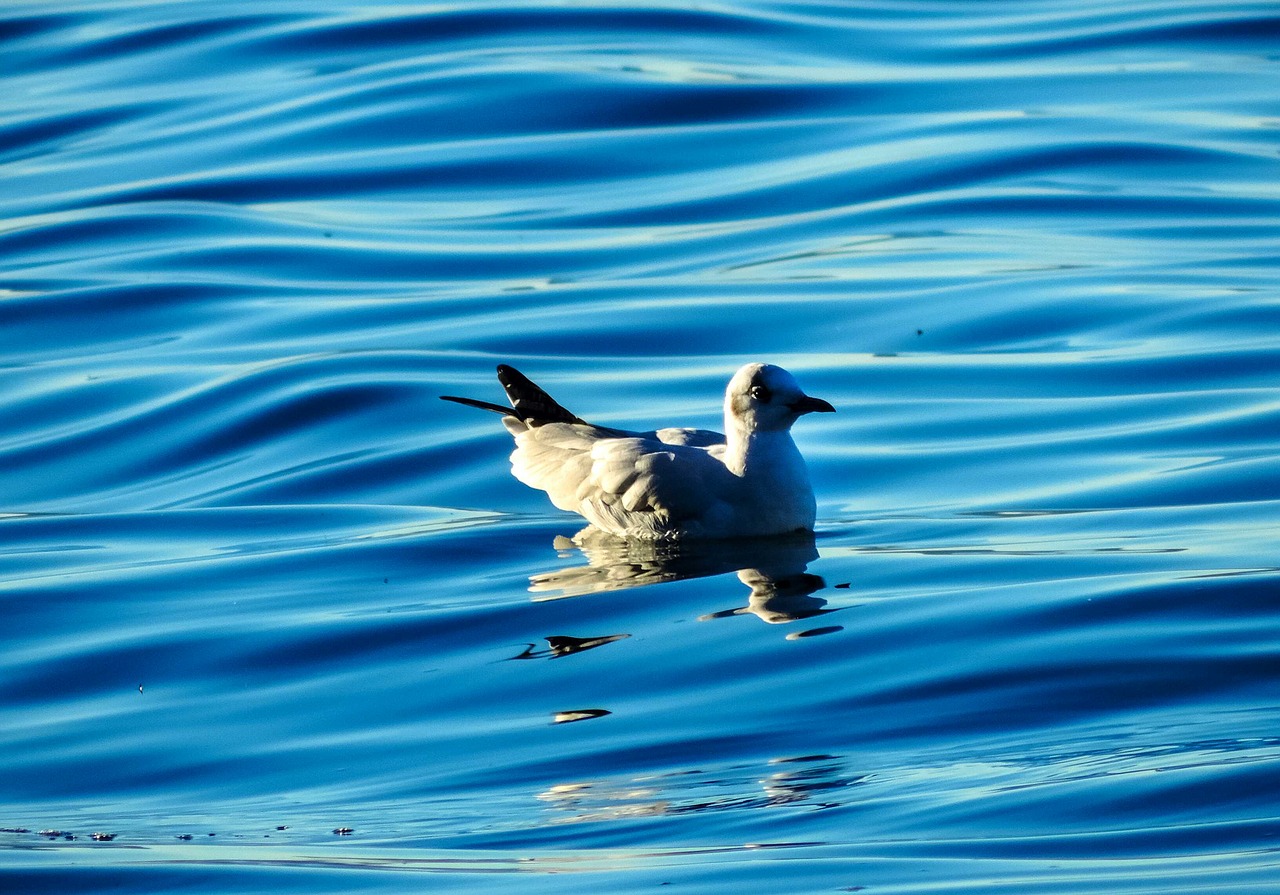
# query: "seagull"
671,483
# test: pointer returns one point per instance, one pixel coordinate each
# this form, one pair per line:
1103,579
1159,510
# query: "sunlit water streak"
276,619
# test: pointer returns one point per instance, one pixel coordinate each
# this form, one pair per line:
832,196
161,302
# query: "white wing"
691,437
623,482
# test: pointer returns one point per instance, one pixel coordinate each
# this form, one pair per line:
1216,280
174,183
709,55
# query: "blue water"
275,619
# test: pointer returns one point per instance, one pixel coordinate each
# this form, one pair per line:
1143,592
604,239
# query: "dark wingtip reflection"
560,645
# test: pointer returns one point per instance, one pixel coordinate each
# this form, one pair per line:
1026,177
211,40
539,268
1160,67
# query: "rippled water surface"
278,620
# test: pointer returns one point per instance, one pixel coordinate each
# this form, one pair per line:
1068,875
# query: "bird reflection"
814,782
774,569
778,599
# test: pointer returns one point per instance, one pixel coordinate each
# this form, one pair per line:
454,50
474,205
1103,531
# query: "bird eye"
760,393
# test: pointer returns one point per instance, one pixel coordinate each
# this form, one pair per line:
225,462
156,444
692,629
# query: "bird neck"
753,452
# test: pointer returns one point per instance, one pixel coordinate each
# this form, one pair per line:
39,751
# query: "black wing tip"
529,403
509,374
510,377
482,405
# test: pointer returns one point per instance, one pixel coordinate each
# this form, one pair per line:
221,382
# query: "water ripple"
259,583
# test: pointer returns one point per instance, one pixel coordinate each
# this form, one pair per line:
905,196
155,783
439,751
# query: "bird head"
762,398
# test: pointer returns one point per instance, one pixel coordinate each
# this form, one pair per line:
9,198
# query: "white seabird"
671,483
